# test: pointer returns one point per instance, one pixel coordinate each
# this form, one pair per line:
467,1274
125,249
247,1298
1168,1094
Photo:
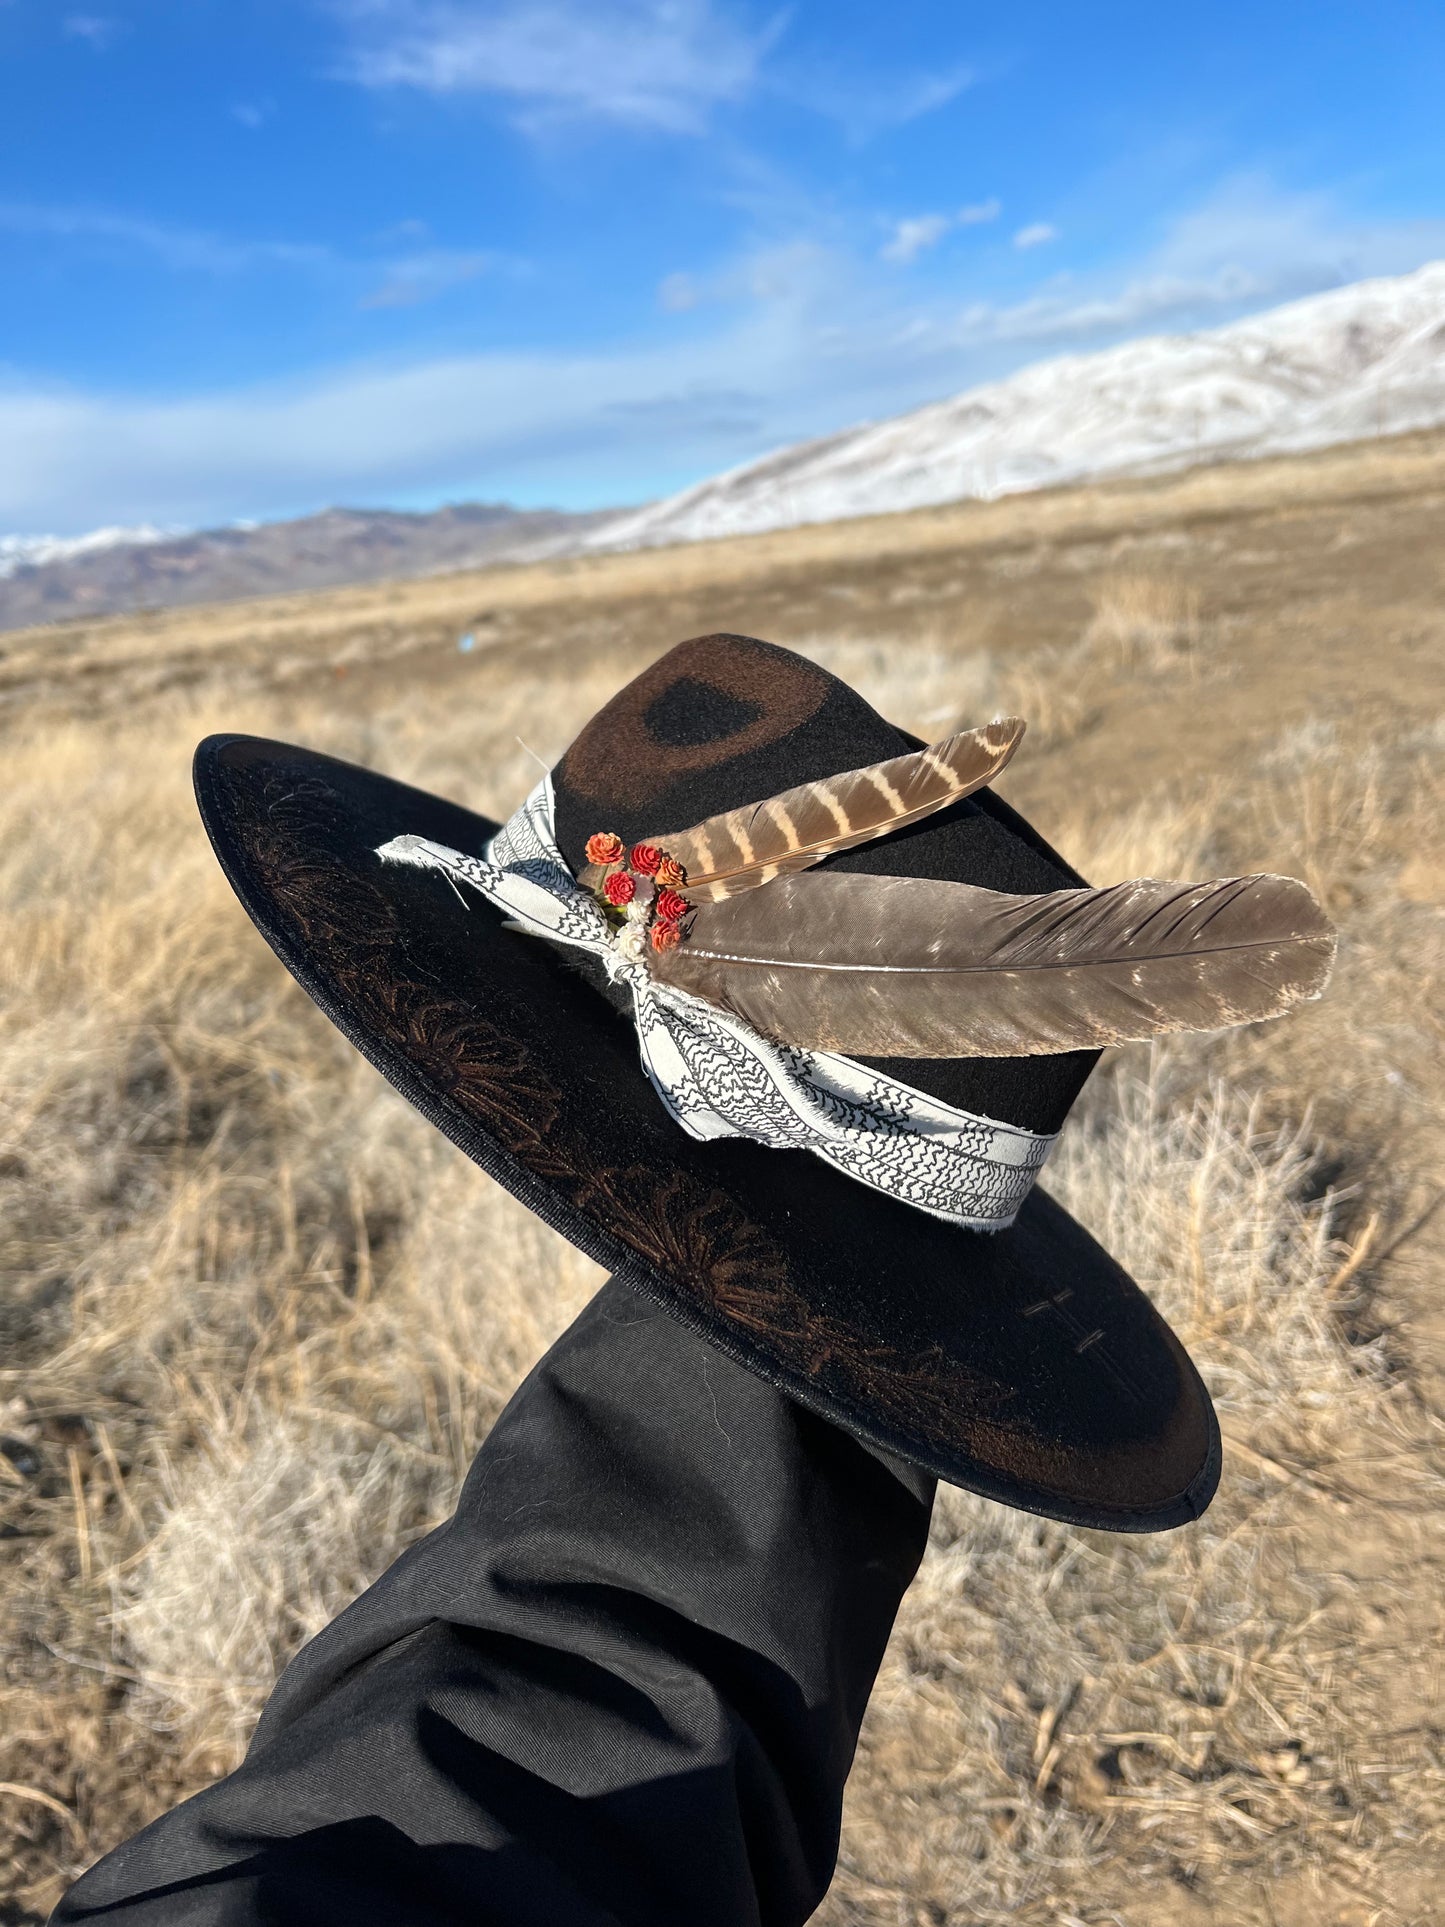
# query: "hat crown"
722,721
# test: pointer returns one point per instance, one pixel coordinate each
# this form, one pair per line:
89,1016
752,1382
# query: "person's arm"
622,1685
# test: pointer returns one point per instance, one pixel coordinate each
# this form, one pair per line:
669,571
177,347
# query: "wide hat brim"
1025,1365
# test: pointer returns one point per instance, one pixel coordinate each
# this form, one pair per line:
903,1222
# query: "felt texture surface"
1025,1365
757,720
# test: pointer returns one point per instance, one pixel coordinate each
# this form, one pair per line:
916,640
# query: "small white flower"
632,941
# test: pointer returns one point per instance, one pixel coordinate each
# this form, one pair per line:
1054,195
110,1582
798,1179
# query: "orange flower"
646,859
604,848
619,889
670,907
671,872
665,936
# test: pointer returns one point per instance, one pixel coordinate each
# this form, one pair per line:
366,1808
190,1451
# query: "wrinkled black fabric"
620,1688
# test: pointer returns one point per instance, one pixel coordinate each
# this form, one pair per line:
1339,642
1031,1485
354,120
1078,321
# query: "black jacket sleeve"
622,1685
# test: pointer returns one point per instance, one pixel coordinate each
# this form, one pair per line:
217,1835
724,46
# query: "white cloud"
920,232
677,293
253,113
799,341
797,272
422,277
1286,241
911,238
1036,236
867,108
1246,245
409,229
188,250
540,425
373,433
401,280
98,31
912,99
1069,314
657,65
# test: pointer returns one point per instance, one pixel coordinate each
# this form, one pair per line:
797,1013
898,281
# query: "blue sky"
258,256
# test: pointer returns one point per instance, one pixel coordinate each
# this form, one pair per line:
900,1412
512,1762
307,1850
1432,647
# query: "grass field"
247,1346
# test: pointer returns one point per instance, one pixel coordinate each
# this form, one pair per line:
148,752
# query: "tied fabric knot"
717,1077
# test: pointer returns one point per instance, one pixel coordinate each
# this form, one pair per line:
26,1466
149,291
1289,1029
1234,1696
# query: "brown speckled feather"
743,848
906,967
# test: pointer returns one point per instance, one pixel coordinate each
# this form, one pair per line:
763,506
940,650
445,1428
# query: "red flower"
604,848
665,936
620,889
670,907
671,872
646,859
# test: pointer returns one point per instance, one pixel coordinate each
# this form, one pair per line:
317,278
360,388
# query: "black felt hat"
1023,1364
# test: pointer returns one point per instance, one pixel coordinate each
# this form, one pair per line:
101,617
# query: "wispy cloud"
1076,316
1247,245
390,279
184,249
368,433
1281,239
651,65
423,277
794,272
253,113
1037,235
868,106
916,235
97,30
798,341
677,293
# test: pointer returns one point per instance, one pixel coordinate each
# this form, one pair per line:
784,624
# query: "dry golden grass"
248,1344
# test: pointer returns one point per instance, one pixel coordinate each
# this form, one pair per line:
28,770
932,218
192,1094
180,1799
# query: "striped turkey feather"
907,967
737,851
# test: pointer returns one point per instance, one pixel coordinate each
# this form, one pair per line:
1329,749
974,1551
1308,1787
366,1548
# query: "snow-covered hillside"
36,551
1362,360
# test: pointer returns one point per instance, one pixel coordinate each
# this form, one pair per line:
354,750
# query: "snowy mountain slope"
39,551
1362,360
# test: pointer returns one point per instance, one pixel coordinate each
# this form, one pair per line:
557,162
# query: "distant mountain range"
116,570
1363,360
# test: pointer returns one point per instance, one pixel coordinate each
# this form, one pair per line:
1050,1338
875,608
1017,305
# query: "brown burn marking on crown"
300,831
723,721
706,702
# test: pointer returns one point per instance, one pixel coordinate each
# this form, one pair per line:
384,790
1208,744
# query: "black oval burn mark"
689,713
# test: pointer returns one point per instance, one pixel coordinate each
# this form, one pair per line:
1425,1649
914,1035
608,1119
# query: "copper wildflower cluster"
641,892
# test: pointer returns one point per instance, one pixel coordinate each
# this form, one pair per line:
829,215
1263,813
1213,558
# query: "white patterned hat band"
718,1077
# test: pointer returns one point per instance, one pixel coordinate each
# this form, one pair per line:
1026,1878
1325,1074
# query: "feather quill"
741,849
908,967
